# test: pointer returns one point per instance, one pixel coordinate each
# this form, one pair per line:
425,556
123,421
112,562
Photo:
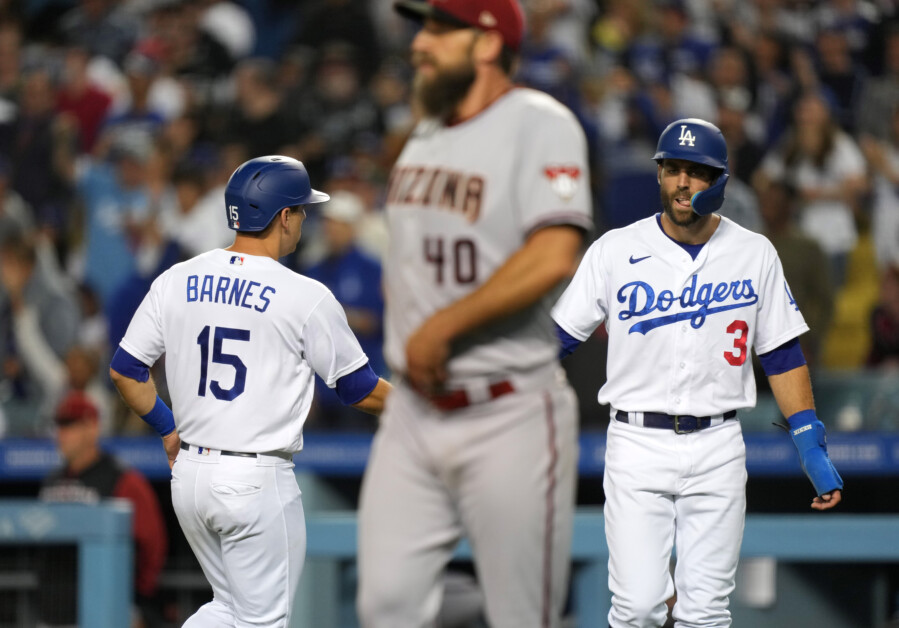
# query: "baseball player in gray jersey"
486,209
685,296
243,337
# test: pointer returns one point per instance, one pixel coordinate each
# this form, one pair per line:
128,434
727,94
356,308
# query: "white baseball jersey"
243,336
664,311
461,200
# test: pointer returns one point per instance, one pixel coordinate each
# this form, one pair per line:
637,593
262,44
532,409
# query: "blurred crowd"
121,121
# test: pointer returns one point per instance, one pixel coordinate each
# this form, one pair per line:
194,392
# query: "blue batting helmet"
262,187
692,139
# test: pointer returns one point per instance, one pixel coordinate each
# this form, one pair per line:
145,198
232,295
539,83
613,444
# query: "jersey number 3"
220,357
738,356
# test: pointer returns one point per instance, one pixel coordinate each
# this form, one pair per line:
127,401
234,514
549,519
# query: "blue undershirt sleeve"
356,386
786,357
129,366
567,342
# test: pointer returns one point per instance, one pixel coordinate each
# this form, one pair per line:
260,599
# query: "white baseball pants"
501,473
664,489
243,518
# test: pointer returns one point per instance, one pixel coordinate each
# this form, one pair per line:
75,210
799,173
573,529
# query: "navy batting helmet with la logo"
692,139
262,187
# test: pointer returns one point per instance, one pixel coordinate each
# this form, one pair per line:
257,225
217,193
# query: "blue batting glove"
810,439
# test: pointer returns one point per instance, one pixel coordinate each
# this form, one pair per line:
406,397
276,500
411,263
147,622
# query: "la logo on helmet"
686,136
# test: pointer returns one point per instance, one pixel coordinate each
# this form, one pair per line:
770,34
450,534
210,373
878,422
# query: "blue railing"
767,454
102,533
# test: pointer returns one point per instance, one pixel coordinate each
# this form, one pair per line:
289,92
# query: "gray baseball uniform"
494,458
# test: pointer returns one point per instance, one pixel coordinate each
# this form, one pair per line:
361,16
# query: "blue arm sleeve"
129,366
786,357
811,442
567,342
160,418
356,386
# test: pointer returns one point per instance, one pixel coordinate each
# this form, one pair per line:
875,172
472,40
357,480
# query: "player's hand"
172,444
427,351
827,500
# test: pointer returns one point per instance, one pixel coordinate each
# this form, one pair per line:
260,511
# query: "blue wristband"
160,418
811,441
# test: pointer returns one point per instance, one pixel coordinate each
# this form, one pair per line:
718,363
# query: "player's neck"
487,89
698,233
262,247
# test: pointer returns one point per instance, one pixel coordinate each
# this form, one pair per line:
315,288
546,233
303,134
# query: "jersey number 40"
460,256
220,357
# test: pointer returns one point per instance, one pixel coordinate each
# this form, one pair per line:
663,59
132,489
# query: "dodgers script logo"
642,301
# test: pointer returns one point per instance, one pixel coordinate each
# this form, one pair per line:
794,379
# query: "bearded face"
674,210
679,180
440,86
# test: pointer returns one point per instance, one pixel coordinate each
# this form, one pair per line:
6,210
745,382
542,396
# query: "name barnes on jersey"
443,189
228,291
642,300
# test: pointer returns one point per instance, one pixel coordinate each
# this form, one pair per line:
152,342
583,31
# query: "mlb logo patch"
203,451
237,260
563,180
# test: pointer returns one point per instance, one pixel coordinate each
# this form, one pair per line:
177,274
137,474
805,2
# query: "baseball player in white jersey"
243,337
486,210
685,296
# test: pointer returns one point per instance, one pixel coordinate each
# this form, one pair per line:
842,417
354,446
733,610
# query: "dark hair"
19,248
507,59
271,225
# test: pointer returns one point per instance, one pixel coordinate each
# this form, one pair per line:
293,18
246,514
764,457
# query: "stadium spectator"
195,226
16,217
842,75
260,119
29,291
323,23
883,162
88,475
115,198
355,279
100,27
743,133
880,96
885,321
230,24
338,111
33,144
134,122
772,85
80,98
826,168
804,263
10,67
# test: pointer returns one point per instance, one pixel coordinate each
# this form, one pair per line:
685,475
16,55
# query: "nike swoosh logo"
634,260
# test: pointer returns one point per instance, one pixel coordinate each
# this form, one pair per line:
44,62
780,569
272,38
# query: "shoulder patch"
563,179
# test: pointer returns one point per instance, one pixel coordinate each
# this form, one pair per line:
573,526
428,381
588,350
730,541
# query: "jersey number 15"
220,357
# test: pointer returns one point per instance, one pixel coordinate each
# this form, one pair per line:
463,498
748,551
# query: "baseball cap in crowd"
503,16
75,407
344,206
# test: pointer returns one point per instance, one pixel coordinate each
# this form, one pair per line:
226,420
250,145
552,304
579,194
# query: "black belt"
242,454
680,423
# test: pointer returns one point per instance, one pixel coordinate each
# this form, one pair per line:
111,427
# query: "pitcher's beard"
440,95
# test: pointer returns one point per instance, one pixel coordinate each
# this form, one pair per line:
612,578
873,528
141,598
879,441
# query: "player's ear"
284,217
488,47
659,173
